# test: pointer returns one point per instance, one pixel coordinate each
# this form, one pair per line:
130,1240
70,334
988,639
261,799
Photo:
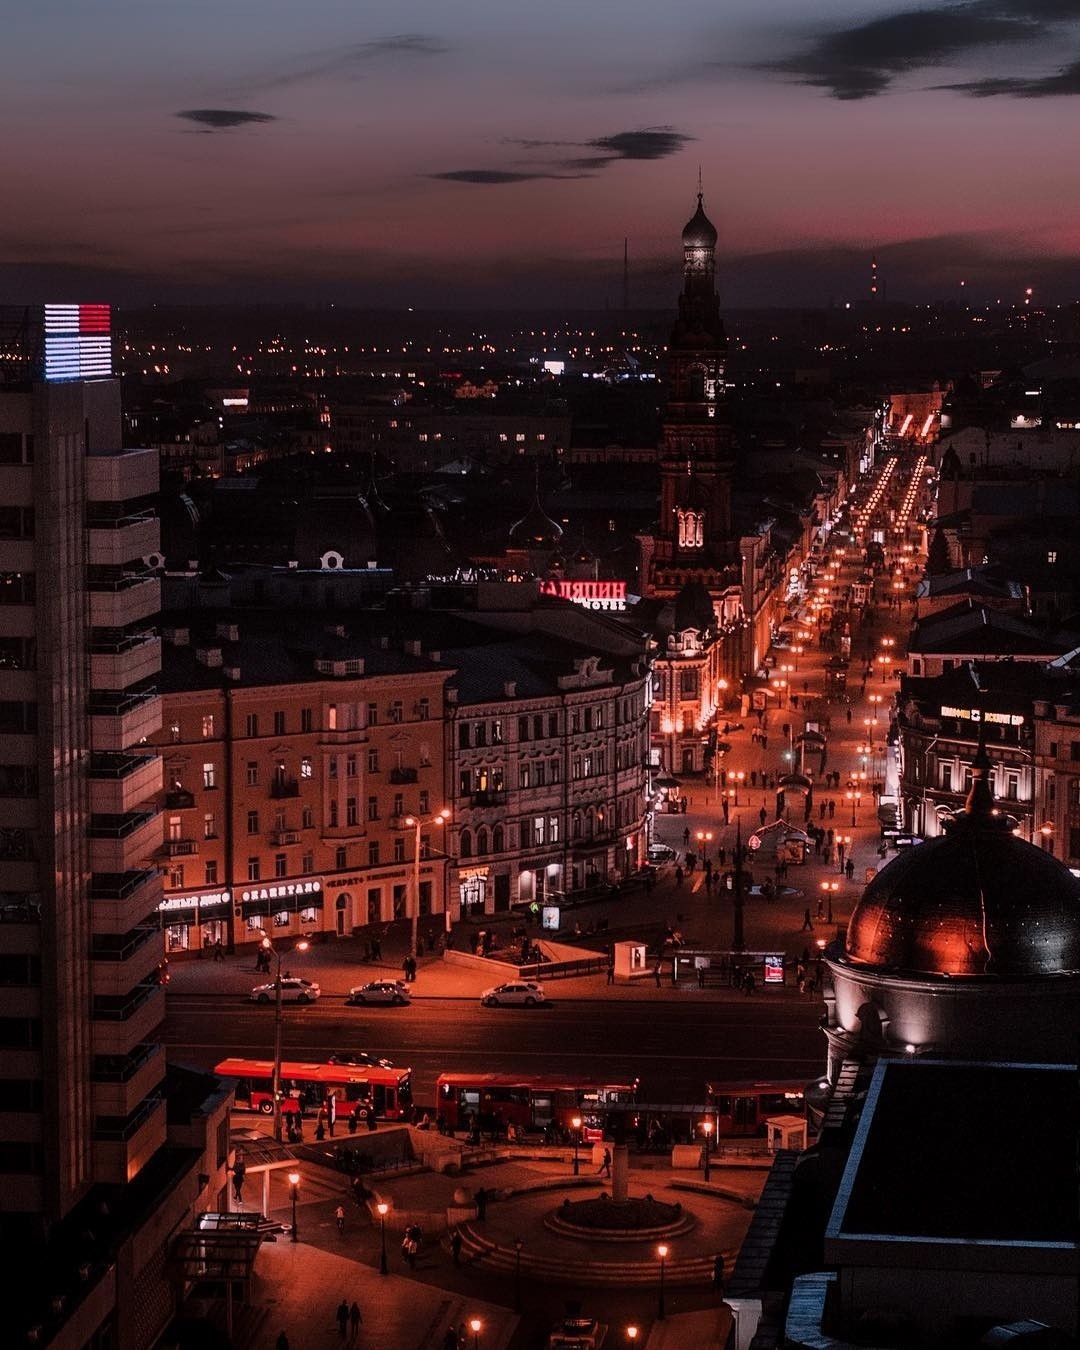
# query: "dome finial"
980,800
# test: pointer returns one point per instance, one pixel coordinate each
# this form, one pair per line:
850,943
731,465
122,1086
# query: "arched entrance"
342,907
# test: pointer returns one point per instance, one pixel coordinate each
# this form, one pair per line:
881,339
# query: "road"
672,1047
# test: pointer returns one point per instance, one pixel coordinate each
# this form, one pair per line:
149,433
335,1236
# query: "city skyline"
408,156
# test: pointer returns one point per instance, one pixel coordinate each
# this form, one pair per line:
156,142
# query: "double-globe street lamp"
268,946
415,824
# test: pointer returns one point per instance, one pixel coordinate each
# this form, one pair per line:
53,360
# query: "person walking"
455,1246
718,1275
355,1318
219,951
605,1165
849,868
343,1318
678,875
807,922
832,808
481,1204
656,974
686,837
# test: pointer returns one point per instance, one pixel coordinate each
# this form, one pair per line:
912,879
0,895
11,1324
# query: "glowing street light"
576,1123
383,1209
294,1186
662,1252
415,824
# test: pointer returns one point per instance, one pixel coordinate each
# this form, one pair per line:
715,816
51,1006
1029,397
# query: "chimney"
412,646
177,637
228,632
231,672
510,688
208,656
451,695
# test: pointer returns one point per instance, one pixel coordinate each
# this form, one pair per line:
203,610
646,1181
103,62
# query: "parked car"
661,853
360,1059
524,993
293,990
379,991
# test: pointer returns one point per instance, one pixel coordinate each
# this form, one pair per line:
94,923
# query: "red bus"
491,1101
741,1108
367,1090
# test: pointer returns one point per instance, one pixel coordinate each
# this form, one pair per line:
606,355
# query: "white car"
661,853
380,991
293,990
525,993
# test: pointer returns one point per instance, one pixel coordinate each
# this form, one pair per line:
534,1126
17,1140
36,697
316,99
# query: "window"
281,865
331,717
208,828
556,771
481,842
332,766
374,904
373,808
279,819
538,728
210,872
423,709
279,724
397,711
1074,750
307,862
372,714
497,844
252,724
465,847
538,830
305,767
1012,787
373,853
523,728
253,869
553,829
425,802
307,818
539,774
496,732
1051,556
399,804
463,733
333,813
176,827
553,724
174,730
208,775
306,720
176,877
399,848
352,815
341,858
524,775
350,766
252,773
207,725
373,761
253,822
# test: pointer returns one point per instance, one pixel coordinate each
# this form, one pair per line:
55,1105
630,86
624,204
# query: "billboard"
78,342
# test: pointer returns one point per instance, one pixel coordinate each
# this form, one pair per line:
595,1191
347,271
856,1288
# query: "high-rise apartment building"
82,1073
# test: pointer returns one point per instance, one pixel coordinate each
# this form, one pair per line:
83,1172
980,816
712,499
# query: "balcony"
123,843
120,602
125,660
120,719
121,1023
123,1145
181,848
179,800
121,475
492,797
118,1084
119,541
133,959
403,775
284,787
282,838
120,901
121,782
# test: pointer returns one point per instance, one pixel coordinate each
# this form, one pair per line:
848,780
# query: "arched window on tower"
691,528
696,383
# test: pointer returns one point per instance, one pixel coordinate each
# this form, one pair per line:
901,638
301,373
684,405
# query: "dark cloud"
859,62
221,119
494,176
649,143
352,58
1066,81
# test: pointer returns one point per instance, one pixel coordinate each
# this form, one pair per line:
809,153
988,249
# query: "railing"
557,970
105,1009
99,522
129,1125
117,646
182,848
492,798
118,827
283,837
139,937
104,764
119,885
284,787
179,799
105,703
121,583
122,1068
403,775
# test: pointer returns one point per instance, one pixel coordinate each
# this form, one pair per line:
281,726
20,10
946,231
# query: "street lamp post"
415,824
268,946
383,1209
661,1252
576,1123
632,1334
474,1326
706,1125
294,1186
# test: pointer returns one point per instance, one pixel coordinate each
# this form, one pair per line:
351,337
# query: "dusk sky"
462,152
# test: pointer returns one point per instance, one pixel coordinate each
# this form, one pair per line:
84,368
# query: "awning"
221,1248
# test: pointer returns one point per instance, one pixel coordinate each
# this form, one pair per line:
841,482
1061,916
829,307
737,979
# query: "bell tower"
693,541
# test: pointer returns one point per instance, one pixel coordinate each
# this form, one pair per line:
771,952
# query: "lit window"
208,775
305,767
208,725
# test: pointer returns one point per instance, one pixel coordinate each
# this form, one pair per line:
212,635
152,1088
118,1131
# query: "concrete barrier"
686,1156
